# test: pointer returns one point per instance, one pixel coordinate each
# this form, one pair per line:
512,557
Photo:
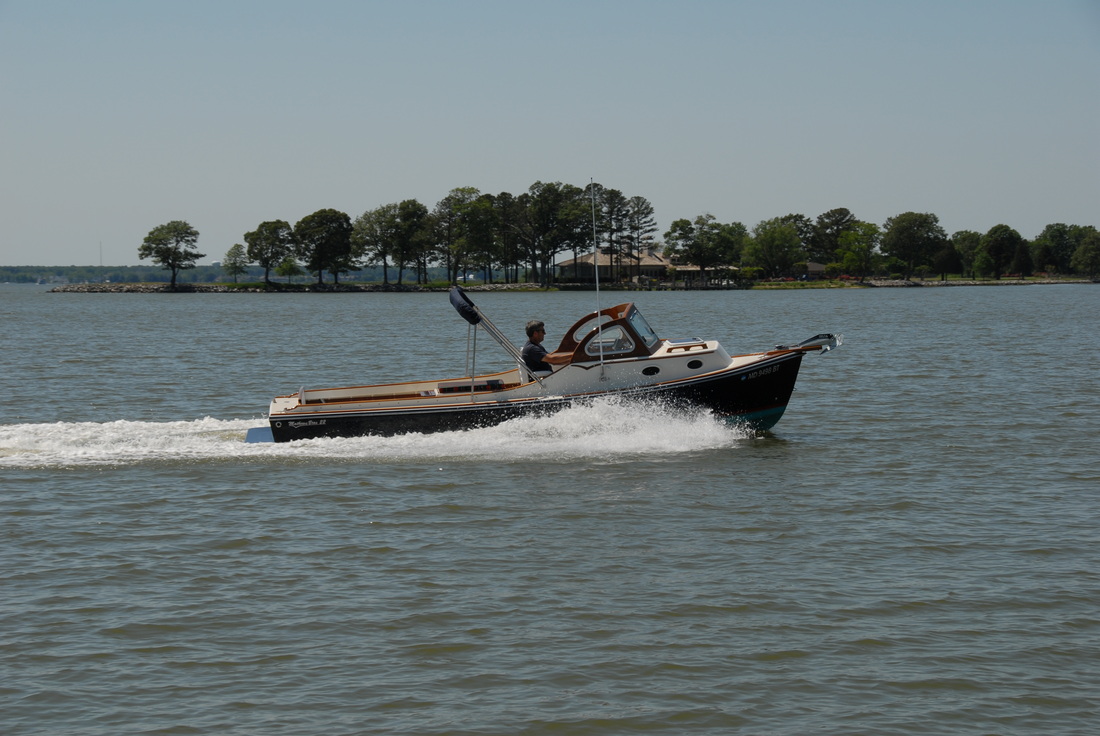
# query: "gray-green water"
913,550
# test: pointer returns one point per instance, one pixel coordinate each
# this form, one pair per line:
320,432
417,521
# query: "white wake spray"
604,429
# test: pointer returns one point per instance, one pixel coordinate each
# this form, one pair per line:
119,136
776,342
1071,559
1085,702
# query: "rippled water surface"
912,550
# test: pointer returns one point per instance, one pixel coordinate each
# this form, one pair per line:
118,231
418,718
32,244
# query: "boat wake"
606,429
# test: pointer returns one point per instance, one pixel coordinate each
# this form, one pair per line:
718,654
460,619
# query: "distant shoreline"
163,288
996,282
898,283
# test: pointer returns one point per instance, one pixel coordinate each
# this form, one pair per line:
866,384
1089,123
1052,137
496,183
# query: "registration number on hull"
761,372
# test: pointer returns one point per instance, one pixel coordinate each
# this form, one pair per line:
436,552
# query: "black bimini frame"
470,312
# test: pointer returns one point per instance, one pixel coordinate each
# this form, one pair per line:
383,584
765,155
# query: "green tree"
858,247
967,243
1021,259
914,238
235,262
946,260
551,219
548,225
414,227
481,241
374,237
804,226
323,241
573,224
775,246
611,224
640,226
1086,259
288,268
269,245
172,246
824,241
452,228
1055,246
705,243
509,221
1042,256
999,245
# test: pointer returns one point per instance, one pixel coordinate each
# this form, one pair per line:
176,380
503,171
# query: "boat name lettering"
763,371
310,423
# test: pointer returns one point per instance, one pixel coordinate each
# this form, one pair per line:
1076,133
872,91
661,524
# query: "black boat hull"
755,396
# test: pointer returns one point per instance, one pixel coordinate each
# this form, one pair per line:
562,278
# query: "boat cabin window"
614,339
589,325
638,322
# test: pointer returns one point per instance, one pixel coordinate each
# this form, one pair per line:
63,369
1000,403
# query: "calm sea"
915,549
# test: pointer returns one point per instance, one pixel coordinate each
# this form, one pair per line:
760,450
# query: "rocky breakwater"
978,282
161,288
135,288
223,288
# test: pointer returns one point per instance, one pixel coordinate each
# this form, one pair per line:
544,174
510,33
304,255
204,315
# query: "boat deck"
407,391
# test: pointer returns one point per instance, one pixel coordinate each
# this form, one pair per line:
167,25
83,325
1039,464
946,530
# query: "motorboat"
608,352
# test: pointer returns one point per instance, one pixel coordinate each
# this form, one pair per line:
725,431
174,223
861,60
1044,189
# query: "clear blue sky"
120,115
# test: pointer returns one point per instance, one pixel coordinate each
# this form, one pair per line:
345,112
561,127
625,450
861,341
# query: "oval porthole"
651,371
695,364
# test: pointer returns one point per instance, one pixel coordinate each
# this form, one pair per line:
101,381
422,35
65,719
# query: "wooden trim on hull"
755,395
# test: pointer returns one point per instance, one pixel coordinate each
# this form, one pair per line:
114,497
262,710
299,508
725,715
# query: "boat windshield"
638,322
614,340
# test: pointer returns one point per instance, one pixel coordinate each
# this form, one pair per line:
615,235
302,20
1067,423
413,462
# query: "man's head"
534,326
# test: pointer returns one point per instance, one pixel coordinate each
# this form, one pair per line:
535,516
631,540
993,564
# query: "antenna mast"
595,243
596,266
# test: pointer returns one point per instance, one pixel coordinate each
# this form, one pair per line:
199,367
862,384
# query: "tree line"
907,244
148,273
518,238
511,237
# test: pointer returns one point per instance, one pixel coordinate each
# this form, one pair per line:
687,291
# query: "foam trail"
604,429
119,442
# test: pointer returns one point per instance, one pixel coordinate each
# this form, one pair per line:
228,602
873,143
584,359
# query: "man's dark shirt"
533,355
